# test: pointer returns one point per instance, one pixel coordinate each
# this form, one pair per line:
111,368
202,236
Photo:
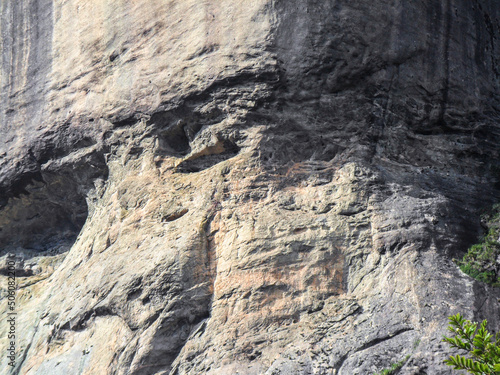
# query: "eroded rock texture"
252,187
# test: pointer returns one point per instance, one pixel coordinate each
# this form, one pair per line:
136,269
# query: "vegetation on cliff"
483,349
482,261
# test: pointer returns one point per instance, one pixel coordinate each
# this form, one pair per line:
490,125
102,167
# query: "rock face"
244,187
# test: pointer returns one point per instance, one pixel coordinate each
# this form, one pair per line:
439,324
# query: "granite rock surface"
244,187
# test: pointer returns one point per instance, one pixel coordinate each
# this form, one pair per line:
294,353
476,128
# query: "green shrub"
482,260
483,350
394,367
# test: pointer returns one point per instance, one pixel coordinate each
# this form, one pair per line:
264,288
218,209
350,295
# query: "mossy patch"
482,261
394,367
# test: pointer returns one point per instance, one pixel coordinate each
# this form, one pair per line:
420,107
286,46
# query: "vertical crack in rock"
447,20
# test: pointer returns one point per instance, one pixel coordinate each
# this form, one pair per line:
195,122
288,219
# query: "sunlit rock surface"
244,187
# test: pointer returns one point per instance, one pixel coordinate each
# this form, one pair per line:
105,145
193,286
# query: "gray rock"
234,187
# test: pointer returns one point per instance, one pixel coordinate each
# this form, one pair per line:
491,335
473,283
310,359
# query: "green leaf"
482,354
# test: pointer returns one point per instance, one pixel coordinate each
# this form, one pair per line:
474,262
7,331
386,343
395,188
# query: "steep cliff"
252,187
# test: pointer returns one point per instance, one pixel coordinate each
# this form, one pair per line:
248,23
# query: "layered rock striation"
252,187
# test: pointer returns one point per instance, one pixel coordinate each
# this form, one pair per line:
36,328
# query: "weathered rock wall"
264,187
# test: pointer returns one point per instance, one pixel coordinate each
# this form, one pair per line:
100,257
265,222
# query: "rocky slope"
244,187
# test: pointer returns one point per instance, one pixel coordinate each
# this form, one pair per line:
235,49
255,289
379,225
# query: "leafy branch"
483,349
